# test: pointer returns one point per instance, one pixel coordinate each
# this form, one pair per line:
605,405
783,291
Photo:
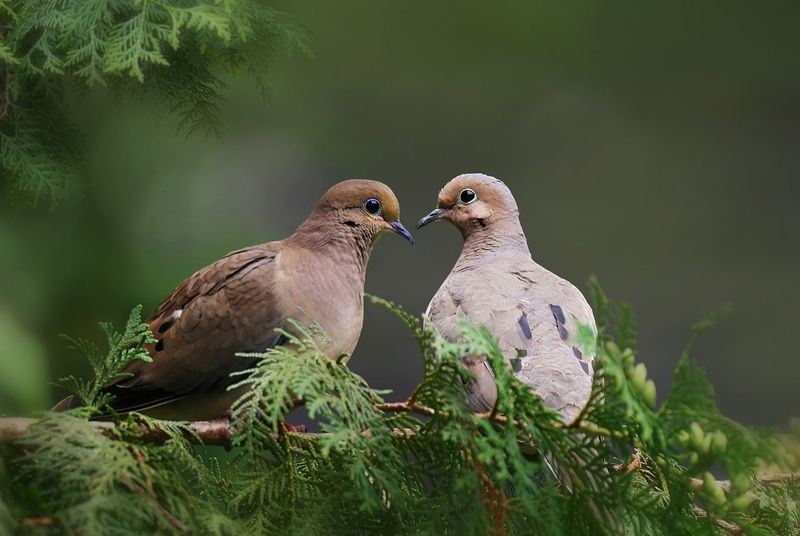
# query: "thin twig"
137,453
727,526
216,433
406,406
635,464
209,433
33,522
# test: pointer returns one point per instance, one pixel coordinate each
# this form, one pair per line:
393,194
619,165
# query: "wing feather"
222,309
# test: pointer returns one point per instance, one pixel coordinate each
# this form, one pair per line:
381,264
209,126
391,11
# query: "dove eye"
467,196
373,206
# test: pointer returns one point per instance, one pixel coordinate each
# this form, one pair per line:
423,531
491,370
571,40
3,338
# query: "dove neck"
488,239
344,245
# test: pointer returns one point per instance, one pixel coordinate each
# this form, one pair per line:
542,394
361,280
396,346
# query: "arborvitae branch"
211,433
171,49
423,465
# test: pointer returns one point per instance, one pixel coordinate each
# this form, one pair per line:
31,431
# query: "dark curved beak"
430,218
402,231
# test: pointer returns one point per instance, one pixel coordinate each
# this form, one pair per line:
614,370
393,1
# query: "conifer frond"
172,48
425,465
122,349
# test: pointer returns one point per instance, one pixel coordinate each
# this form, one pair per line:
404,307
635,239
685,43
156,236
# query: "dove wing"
227,307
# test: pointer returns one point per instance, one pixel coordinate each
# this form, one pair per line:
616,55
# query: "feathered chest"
325,294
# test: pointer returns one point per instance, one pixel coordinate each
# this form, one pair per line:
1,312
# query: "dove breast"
533,314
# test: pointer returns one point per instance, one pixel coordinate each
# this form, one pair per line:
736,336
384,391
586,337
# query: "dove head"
475,202
360,208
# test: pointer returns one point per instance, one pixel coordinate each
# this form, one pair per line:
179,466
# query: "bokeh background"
656,146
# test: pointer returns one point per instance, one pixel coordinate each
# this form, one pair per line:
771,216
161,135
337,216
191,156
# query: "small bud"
639,376
707,447
649,393
715,493
740,483
719,443
627,359
696,437
741,503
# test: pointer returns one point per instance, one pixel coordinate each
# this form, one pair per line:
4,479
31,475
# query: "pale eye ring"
372,206
467,196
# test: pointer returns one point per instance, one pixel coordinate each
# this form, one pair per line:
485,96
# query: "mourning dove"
315,277
533,313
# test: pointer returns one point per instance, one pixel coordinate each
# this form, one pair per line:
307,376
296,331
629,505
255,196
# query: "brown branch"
209,433
778,477
219,433
727,526
407,406
33,522
216,433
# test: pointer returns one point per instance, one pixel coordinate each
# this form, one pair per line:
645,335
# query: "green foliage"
427,465
174,50
123,349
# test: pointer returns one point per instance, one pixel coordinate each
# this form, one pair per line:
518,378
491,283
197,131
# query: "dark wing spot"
351,223
160,345
558,314
482,222
562,332
577,352
516,364
279,340
526,328
585,367
166,324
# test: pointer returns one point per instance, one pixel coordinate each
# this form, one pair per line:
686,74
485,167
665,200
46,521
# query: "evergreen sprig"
123,348
176,50
424,465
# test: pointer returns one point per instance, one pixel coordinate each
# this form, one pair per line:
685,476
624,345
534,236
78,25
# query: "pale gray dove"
533,313
315,276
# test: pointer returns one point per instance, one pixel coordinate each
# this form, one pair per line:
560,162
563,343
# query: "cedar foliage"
173,50
439,469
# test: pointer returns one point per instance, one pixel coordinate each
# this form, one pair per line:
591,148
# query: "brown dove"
533,313
315,277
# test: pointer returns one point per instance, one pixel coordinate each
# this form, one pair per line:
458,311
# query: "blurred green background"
653,145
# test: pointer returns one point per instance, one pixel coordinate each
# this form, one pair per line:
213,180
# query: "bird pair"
316,276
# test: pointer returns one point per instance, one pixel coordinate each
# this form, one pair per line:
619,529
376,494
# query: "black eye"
467,196
373,206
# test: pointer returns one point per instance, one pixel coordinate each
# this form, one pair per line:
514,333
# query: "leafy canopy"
174,50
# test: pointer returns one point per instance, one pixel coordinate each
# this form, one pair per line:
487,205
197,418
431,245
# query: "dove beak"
430,218
398,228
